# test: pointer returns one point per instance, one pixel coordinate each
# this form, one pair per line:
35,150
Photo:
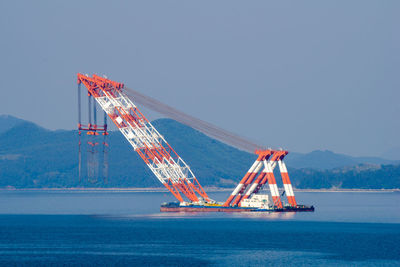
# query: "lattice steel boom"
169,168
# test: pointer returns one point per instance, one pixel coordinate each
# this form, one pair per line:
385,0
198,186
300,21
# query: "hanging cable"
198,124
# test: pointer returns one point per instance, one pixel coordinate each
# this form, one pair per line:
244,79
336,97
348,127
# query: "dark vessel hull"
173,207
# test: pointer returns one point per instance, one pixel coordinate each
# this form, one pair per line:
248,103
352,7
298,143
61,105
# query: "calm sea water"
115,228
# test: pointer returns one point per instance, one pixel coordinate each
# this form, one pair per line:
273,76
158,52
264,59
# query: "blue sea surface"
51,228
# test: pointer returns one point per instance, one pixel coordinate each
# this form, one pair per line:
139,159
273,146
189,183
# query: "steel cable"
198,124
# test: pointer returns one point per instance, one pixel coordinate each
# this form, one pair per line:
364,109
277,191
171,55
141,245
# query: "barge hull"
233,209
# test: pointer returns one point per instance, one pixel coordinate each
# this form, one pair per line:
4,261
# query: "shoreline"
160,190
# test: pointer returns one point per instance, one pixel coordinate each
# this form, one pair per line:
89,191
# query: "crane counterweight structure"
173,172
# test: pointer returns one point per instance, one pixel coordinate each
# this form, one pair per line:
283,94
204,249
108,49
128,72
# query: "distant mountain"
7,122
34,157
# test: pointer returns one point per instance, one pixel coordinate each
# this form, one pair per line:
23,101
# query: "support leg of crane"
273,187
287,184
254,185
262,155
270,178
265,154
246,184
252,172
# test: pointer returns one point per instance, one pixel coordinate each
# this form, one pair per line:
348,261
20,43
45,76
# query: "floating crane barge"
172,171
176,207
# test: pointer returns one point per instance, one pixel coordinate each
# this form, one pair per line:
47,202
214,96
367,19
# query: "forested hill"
34,157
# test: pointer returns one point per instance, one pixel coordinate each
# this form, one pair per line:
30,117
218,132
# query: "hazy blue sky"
302,75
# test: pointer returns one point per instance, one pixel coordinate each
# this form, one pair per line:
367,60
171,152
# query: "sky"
299,75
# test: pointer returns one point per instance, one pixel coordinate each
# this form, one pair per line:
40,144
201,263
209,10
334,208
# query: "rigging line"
198,124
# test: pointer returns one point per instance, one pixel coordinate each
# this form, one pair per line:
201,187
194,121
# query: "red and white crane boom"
169,168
